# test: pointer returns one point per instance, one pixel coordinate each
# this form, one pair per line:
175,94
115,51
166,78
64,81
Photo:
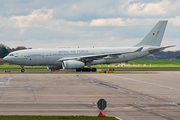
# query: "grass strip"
135,65
55,118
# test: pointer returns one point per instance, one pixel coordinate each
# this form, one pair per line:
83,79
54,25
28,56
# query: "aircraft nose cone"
6,59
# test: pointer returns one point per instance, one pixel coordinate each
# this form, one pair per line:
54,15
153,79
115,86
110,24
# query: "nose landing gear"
22,69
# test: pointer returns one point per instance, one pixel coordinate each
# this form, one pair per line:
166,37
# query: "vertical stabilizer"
154,37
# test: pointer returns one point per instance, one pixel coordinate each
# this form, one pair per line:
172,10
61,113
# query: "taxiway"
135,96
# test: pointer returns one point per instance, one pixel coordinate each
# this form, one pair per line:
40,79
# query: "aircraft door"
20,58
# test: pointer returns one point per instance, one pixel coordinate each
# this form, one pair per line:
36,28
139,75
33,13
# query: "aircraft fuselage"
35,57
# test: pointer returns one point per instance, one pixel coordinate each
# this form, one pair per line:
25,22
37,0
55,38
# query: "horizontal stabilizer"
152,50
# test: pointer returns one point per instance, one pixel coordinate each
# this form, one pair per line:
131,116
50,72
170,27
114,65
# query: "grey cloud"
68,22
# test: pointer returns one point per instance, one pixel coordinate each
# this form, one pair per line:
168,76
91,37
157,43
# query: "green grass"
135,65
157,63
144,64
54,118
9,66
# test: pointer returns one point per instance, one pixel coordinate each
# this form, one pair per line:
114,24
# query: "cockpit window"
11,54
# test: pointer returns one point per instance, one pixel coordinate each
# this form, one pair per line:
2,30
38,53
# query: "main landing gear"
86,70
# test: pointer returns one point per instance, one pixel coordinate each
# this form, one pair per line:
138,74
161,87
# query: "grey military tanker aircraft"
78,58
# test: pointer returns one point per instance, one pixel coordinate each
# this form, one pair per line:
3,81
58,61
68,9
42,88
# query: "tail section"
154,37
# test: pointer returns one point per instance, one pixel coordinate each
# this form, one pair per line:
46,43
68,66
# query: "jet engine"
53,67
72,64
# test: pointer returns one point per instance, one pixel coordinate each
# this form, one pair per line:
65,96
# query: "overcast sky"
86,23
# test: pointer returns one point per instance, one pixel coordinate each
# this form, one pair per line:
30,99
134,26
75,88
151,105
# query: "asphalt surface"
133,96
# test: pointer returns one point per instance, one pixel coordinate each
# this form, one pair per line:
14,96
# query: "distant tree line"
5,50
167,55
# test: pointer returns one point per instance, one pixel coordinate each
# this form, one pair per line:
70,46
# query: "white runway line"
8,81
146,82
118,118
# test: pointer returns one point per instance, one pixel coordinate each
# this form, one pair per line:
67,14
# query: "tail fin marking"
154,37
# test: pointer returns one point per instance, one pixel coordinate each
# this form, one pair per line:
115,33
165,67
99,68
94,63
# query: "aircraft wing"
97,56
152,50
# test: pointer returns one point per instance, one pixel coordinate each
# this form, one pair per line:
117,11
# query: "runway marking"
130,107
94,104
145,82
29,87
118,118
9,80
6,84
123,90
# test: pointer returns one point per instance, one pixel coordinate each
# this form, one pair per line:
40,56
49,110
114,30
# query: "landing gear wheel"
78,70
22,70
88,69
83,69
94,70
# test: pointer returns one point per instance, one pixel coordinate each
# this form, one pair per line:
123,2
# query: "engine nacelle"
53,67
72,64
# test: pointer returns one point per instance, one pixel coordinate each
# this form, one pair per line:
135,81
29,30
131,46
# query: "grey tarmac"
133,96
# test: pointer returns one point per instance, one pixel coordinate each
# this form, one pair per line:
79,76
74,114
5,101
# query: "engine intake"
72,64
